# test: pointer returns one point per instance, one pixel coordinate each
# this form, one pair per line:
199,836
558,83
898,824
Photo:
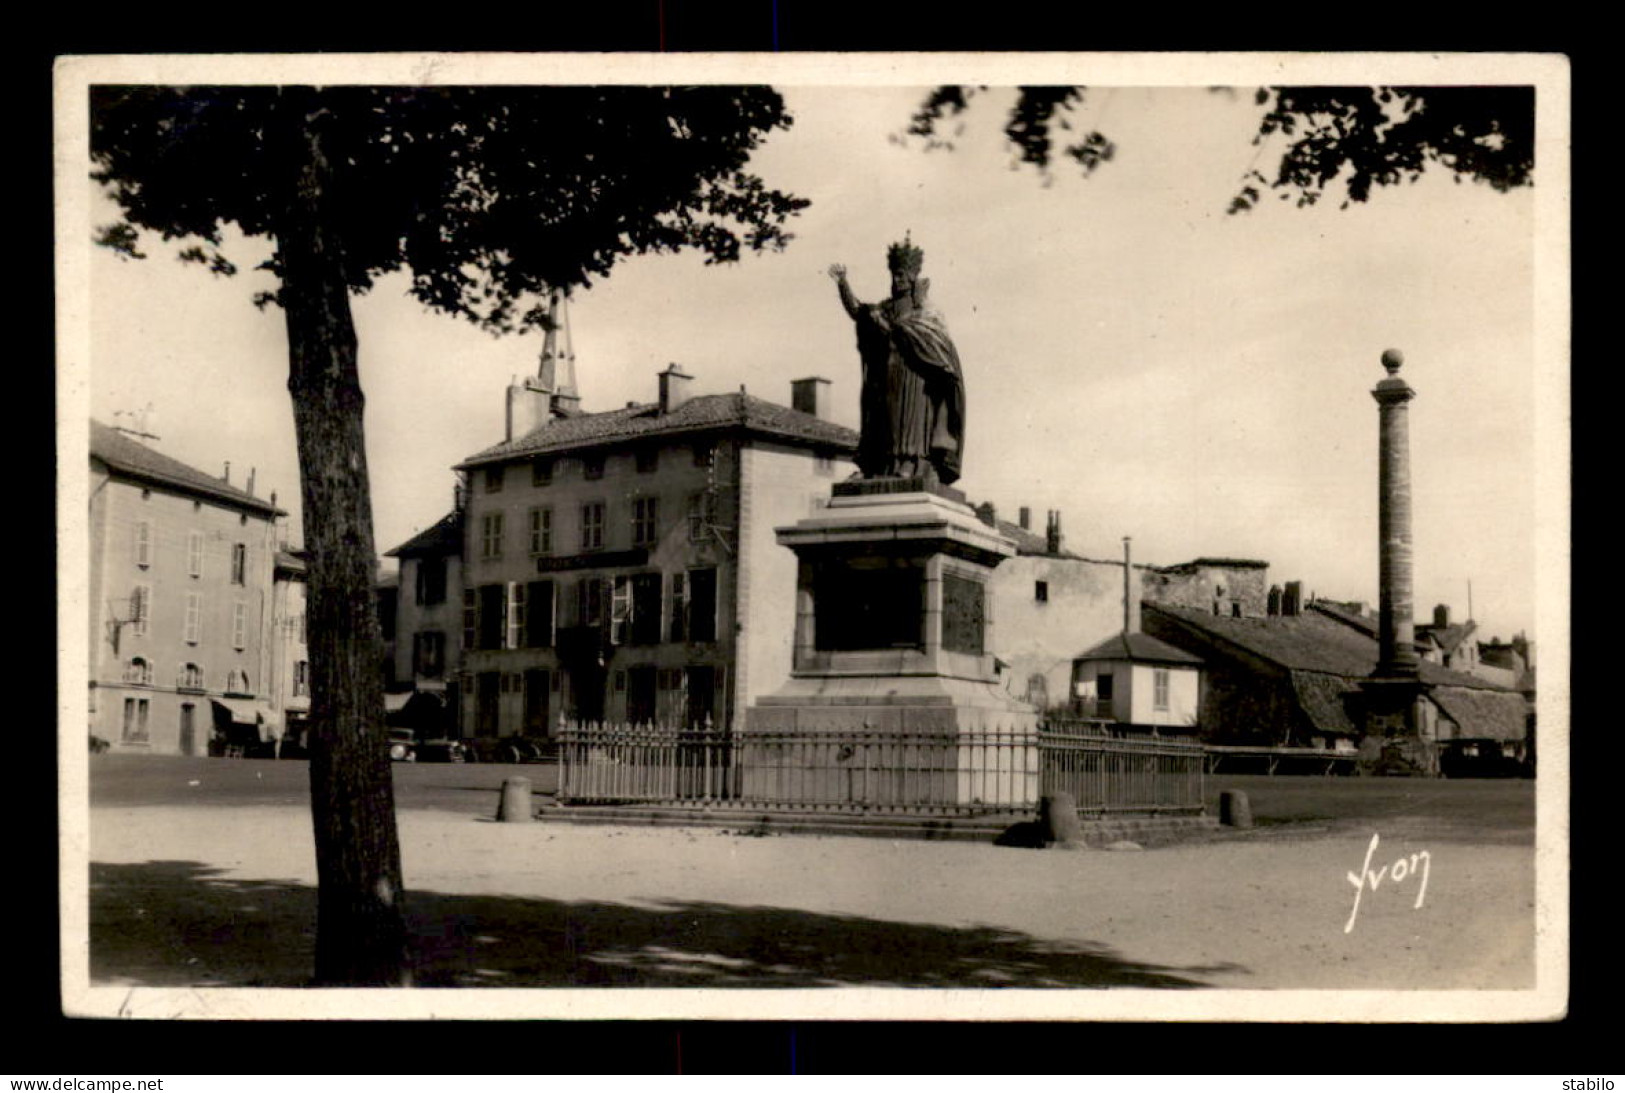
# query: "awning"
241,710
394,703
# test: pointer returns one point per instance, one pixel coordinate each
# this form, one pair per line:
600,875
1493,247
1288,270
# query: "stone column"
1396,628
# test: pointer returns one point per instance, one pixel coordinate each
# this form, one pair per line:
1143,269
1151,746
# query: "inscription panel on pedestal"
964,614
869,603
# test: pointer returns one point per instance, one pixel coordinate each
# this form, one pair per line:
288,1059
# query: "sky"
1133,356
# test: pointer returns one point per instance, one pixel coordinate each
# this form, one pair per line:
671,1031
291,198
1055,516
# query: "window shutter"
143,544
620,610
514,609
194,553
471,618
679,607
239,625
193,627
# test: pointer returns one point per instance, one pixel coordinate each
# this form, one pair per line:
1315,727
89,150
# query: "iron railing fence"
874,771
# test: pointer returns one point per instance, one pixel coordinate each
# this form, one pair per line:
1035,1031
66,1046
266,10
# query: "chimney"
986,513
1441,616
1026,518
527,407
674,388
1292,600
250,486
810,396
1274,608
1396,630
1131,602
227,475
1052,533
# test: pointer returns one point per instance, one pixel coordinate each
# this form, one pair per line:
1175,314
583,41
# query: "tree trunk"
360,931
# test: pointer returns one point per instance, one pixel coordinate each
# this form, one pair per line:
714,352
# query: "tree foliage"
1348,138
489,198
487,195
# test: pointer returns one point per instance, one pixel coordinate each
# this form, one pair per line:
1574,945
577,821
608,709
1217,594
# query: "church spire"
558,365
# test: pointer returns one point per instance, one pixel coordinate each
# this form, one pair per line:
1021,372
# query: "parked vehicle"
441,751
403,745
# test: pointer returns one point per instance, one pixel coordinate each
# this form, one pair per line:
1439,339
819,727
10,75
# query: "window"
824,466
237,682
194,553
701,515
135,721
239,563
592,466
384,599
138,671
239,625
1038,690
592,526
590,601
143,544
191,677
539,615
192,623
491,535
1041,591
541,472
301,679
141,608
541,531
705,453
647,459
702,605
1159,688
493,480
645,521
470,618
430,581
429,654
491,616
635,609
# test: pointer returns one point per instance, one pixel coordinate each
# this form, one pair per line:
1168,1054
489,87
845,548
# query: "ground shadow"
175,923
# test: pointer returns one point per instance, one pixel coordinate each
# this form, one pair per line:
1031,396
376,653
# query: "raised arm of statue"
837,273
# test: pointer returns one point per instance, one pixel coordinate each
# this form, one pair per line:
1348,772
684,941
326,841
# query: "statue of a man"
913,397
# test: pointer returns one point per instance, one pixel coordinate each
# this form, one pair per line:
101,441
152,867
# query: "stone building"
621,566
181,602
1053,604
290,655
428,612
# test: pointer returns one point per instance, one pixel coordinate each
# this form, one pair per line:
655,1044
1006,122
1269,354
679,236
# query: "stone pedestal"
893,646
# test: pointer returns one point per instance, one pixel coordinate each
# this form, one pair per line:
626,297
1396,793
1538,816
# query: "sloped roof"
1309,643
1484,715
445,536
703,413
1138,647
292,561
132,459
1448,638
1322,698
1338,612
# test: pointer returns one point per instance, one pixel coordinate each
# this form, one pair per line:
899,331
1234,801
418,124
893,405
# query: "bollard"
514,807
1058,822
1234,809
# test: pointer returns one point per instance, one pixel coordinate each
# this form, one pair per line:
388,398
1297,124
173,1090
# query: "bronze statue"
913,397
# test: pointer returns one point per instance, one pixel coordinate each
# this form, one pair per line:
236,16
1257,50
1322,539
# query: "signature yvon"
1401,869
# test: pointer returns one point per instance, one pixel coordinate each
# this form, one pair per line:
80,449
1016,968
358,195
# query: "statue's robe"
913,397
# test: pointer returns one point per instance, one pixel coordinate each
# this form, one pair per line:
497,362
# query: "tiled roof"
1323,699
1310,643
1484,715
1138,647
132,459
444,537
1222,563
703,413
1336,611
1447,638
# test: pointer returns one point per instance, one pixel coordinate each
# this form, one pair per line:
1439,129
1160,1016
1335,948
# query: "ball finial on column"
1391,360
